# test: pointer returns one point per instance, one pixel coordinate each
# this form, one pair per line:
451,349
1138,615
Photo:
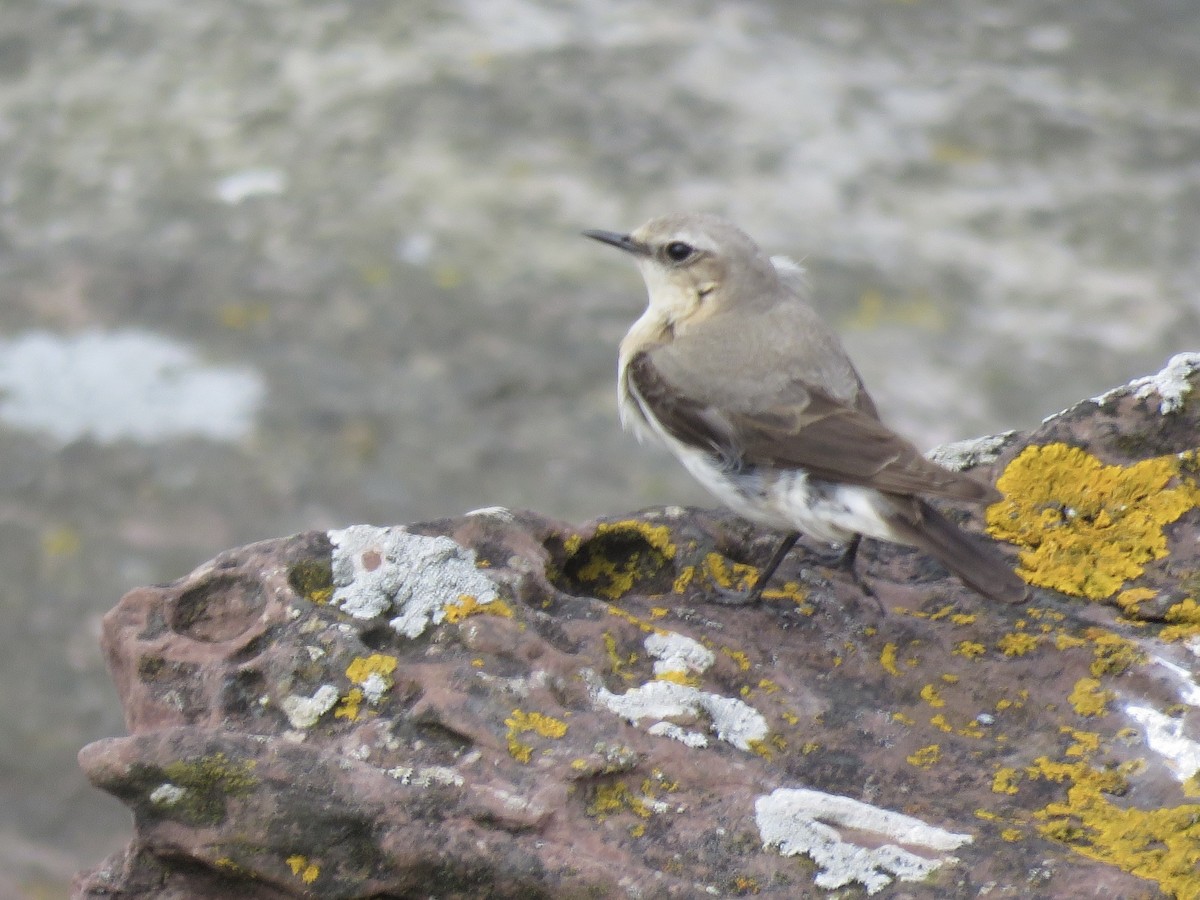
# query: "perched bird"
754,393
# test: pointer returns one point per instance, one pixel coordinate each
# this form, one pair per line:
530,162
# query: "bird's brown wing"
808,430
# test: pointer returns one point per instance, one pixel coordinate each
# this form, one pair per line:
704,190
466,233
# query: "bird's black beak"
622,241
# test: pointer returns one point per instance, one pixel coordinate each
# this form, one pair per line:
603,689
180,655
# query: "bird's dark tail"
979,565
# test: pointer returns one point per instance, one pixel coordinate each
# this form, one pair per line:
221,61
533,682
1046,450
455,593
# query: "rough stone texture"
542,710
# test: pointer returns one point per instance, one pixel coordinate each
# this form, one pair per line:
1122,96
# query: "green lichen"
312,579
1087,528
208,782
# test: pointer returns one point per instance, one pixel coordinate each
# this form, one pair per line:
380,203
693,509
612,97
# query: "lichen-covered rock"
502,705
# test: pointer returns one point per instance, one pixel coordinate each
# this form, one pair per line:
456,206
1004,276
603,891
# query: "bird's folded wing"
807,430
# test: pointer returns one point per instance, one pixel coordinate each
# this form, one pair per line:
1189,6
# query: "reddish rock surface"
501,705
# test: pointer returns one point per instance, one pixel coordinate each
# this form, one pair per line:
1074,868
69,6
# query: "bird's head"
696,265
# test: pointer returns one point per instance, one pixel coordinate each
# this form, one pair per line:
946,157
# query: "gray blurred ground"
271,266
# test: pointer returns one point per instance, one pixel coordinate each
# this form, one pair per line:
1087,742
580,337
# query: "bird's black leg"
846,558
785,547
846,562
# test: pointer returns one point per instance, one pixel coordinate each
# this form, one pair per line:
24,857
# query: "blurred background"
271,266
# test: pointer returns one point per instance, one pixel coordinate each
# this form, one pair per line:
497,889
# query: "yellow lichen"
616,797
1017,644
1086,742
350,705
307,871
363,667
678,676
1161,844
1186,612
1129,600
1004,781
1112,654
969,649
903,719
887,659
521,722
1087,528
744,884
926,757
1089,699
1191,786
730,576
1064,641
973,729
468,605
1012,834
634,620
742,660
791,590
645,550
941,723
762,748
1185,619
931,696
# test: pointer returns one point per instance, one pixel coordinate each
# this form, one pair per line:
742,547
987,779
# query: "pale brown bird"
754,393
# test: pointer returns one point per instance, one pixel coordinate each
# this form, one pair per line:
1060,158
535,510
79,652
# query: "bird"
732,369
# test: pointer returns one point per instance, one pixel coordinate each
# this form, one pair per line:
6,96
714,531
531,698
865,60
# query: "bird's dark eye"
678,251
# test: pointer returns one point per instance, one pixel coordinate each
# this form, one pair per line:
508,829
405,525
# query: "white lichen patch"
167,794
427,775
374,686
735,722
693,739
303,712
804,821
962,455
677,653
1171,385
376,570
503,513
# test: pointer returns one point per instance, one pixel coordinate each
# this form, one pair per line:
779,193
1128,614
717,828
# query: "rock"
502,705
